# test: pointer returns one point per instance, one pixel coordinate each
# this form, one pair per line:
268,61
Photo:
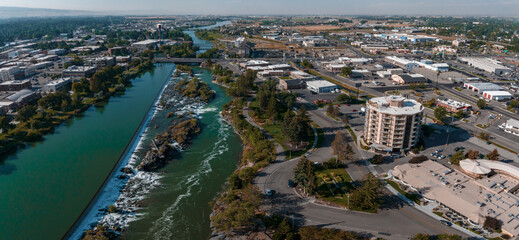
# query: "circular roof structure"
474,167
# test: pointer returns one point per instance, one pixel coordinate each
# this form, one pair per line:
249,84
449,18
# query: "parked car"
445,222
290,183
269,192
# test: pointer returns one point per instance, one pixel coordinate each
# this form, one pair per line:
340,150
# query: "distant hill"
19,12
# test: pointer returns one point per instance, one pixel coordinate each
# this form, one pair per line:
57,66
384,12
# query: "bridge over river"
180,60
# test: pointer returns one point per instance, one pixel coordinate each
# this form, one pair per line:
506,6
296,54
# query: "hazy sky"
346,7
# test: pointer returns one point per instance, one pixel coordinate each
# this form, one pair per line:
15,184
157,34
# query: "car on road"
446,223
270,192
459,148
290,183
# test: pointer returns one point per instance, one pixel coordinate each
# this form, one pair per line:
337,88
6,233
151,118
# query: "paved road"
397,219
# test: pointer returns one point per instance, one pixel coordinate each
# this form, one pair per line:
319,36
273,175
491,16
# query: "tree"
457,157
330,109
4,123
345,98
341,147
485,136
418,159
26,113
304,174
377,159
440,113
346,71
482,103
367,197
306,64
472,154
460,114
283,230
492,223
494,155
514,103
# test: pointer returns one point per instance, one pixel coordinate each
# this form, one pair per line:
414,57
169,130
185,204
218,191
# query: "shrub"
418,159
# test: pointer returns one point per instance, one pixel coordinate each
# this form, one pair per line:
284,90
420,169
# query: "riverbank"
26,131
235,210
112,184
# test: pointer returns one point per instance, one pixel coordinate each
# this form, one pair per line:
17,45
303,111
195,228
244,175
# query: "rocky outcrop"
165,145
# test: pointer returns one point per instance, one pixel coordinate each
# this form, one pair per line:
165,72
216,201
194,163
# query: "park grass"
352,133
328,191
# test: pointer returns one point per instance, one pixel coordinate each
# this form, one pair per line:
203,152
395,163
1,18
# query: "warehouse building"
482,87
487,64
401,62
408,78
497,95
321,86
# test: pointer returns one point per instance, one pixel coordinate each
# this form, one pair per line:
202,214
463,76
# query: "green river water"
44,187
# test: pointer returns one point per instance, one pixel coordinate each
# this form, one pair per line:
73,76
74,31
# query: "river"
45,187
180,208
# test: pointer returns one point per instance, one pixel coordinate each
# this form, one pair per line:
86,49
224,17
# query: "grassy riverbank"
41,117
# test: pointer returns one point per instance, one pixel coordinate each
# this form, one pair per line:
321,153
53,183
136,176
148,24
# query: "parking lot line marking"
412,215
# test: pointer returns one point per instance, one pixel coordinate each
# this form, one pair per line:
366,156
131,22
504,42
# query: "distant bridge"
180,60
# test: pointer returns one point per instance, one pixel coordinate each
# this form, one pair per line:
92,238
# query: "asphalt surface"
396,220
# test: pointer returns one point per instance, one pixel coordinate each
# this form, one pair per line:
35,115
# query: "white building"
511,126
321,86
392,123
401,62
56,85
497,95
482,87
487,64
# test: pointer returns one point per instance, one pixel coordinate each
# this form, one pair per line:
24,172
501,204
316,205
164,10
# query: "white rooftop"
382,104
320,83
498,93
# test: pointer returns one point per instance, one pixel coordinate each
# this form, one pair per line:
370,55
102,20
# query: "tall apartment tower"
392,123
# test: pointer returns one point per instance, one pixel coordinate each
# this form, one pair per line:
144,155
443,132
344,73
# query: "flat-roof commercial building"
15,85
392,123
254,63
401,62
145,44
480,188
79,72
497,95
408,78
56,85
487,64
321,86
288,84
511,126
454,106
482,87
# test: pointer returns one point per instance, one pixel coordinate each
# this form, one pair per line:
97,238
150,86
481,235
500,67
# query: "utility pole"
437,78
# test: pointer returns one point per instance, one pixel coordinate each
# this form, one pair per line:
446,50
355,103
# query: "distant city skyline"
273,7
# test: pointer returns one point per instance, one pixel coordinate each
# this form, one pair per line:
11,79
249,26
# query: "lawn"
334,185
274,129
275,132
